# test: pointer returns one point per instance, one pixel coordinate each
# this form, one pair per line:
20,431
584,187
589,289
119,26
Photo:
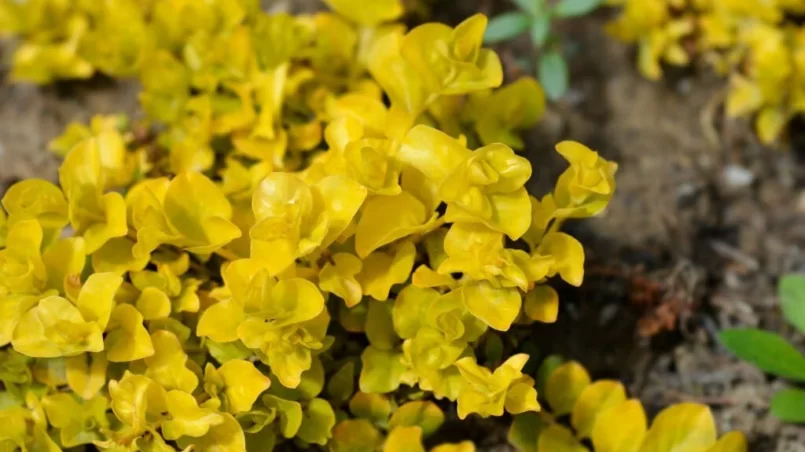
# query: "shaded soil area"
704,222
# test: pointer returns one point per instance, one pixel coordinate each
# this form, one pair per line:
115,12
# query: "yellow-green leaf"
620,428
564,387
685,426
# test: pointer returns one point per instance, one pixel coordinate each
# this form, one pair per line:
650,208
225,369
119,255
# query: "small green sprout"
773,354
536,17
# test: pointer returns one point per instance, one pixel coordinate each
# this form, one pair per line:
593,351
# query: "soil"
704,222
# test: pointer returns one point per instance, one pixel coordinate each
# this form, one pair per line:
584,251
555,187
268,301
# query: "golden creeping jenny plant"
759,44
600,413
284,255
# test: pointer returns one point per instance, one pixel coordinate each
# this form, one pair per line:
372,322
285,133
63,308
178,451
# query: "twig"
706,400
708,116
734,254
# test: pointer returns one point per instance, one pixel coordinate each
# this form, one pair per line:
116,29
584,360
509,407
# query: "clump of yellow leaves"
758,44
600,413
318,223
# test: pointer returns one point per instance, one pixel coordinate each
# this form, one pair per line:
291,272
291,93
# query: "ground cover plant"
600,413
757,44
324,247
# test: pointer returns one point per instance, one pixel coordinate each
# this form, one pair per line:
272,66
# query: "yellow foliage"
194,280
758,44
601,412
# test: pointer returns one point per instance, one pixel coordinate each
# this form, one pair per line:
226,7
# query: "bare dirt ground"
694,241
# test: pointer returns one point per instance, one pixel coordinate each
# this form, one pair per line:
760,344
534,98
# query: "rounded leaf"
685,426
594,400
243,383
423,414
564,387
621,428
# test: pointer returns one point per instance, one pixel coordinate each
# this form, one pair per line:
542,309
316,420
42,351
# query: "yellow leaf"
621,428
568,255
594,400
399,79
498,116
221,320
36,199
22,269
497,307
385,219
370,162
685,426
117,256
167,365
153,304
243,383
557,438
542,304
226,436
487,393
135,399
55,327
97,297
431,151
379,326
368,14
200,212
126,337
341,197
186,417
352,435
64,262
381,270
382,370
371,406
423,414
744,97
86,374
338,277
290,221
770,123
369,112
464,446
731,442
464,68
404,439
317,423
410,309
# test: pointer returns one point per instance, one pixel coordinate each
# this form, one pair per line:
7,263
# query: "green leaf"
575,8
768,351
553,74
540,30
524,431
506,26
549,364
792,299
530,6
789,405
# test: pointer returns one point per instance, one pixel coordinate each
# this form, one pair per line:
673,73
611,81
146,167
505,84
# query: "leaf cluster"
319,221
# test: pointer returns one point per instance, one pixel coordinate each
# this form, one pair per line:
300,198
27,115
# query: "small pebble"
737,176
